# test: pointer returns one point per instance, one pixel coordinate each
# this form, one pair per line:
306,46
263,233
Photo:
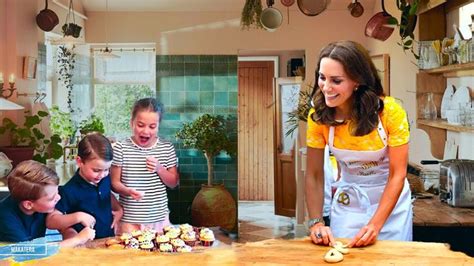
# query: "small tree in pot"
213,204
210,134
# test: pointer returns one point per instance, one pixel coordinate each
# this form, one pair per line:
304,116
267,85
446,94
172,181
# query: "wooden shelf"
457,70
443,124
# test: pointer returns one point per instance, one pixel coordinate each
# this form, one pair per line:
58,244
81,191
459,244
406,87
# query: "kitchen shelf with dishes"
432,26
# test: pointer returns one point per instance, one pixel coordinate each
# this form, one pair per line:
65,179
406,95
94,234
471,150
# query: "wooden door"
287,97
256,130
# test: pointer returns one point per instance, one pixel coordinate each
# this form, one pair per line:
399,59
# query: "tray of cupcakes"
174,238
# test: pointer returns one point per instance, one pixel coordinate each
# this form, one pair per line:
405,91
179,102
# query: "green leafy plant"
29,135
251,14
66,60
407,24
61,123
92,124
300,113
210,134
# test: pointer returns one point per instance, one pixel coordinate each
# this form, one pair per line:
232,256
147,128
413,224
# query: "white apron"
364,175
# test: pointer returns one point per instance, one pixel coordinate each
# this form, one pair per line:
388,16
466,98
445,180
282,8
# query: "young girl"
143,166
89,190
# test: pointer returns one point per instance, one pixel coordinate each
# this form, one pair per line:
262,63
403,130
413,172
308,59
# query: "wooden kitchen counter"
273,251
433,212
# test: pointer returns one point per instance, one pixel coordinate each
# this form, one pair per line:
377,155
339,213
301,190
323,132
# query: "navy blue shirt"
79,195
16,226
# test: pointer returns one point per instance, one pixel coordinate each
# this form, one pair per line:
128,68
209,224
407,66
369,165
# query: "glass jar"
428,110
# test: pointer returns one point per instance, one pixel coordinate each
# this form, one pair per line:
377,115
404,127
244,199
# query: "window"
118,83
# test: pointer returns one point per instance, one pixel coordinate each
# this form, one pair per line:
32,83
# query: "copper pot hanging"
47,19
378,26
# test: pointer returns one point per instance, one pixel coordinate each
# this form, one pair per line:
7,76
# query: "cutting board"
273,251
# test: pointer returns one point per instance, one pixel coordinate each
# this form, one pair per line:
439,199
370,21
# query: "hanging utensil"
377,26
355,8
271,18
312,7
287,3
47,19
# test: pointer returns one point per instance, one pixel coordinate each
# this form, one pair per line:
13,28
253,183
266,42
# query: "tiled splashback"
189,86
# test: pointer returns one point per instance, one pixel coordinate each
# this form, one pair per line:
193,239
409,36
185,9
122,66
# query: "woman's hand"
367,235
321,235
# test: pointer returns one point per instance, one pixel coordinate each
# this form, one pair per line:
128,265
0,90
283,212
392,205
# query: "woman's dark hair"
366,102
95,146
148,104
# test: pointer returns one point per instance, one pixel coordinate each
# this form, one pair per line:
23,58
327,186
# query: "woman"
368,134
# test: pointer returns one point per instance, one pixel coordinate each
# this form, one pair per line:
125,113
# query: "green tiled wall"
189,86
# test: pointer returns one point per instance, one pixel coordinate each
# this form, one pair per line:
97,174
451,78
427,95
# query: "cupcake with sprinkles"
147,245
206,236
189,238
185,228
166,247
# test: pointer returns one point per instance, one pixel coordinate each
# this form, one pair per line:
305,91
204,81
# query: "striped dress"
132,159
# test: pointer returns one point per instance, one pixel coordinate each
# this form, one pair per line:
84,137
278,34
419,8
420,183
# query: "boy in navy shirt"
89,190
33,194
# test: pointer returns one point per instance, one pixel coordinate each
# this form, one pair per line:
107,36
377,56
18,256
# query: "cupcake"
125,237
147,245
166,247
206,236
172,234
185,228
137,233
132,243
184,249
161,239
189,238
167,228
177,243
149,234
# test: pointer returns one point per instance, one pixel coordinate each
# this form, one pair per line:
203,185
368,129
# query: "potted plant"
407,24
251,14
213,204
28,142
92,124
66,61
61,124
300,114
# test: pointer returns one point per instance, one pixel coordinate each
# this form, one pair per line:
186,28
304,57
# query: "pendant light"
107,52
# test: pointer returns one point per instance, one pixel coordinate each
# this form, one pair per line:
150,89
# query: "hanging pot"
288,3
312,7
47,19
271,18
377,27
355,8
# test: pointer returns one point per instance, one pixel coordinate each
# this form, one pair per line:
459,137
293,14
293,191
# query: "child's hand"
117,216
86,234
152,164
136,195
85,219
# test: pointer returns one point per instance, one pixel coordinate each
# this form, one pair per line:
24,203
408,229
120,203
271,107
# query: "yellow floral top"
394,121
